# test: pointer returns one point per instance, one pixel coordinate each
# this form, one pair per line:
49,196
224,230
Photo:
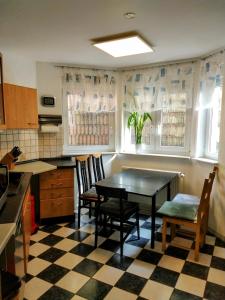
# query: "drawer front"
57,174
50,183
56,207
46,194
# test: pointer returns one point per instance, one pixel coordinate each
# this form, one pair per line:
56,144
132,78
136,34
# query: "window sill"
206,160
88,153
156,155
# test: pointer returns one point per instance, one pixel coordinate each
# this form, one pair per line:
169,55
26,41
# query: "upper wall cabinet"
2,114
20,107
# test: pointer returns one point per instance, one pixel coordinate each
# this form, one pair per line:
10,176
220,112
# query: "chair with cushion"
191,199
188,198
98,168
117,208
190,215
87,193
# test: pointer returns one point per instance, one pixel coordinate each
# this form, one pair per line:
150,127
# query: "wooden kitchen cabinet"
26,223
20,107
57,193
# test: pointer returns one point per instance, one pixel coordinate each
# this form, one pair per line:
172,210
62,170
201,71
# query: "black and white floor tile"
64,264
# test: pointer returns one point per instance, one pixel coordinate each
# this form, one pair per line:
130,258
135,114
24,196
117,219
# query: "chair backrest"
83,172
215,169
205,197
98,168
110,192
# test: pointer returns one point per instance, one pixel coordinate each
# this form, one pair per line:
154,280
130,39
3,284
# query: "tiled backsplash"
50,144
27,140
32,143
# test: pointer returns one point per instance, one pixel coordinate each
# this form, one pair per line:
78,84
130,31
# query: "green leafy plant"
137,121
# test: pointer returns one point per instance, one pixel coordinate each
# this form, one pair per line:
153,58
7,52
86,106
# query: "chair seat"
179,210
90,195
112,206
186,199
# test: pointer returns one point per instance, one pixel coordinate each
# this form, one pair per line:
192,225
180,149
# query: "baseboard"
216,234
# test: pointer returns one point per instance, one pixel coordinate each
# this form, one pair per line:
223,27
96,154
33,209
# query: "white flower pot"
138,148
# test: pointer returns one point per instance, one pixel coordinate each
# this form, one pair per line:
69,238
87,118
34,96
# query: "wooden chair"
192,199
192,216
116,207
98,167
87,193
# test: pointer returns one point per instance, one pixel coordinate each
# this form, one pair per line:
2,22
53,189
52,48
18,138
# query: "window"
166,93
89,111
209,106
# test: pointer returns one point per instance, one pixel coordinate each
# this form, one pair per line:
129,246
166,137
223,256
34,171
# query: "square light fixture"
123,45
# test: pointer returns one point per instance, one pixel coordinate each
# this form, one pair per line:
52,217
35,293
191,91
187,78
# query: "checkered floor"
63,264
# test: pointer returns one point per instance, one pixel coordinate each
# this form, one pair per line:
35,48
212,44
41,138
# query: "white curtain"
89,90
90,96
211,77
158,87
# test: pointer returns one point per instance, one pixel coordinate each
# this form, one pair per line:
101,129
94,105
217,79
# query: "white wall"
18,69
49,84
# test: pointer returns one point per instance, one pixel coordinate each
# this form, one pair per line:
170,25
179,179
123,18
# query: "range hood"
50,119
49,123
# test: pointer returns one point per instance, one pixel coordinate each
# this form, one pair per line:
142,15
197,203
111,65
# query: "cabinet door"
57,207
29,106
57,193
20,106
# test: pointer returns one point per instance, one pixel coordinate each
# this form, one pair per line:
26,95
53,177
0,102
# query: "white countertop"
35,167
6,231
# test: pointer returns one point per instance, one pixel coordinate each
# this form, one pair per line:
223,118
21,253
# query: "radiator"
145,202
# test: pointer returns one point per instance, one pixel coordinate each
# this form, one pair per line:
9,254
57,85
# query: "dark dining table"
142,182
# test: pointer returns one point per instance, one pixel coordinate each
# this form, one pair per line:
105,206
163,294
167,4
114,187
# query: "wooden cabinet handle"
29,123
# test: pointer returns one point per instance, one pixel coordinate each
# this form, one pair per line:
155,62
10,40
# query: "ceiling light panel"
124,46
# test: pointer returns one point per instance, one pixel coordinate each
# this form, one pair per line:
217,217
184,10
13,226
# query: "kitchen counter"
6,231
11,211
34,167
12,208
60,163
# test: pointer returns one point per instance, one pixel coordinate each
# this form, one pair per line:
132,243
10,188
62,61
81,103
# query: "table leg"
153,223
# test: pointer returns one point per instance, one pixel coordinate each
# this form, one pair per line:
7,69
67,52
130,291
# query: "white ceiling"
60,30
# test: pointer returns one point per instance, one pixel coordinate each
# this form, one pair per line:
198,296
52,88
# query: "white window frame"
207,136
156,148
84,149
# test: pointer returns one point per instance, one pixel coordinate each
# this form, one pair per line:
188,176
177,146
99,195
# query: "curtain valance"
158,87
211,77
89,90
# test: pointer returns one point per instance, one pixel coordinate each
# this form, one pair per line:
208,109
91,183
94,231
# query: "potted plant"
137,121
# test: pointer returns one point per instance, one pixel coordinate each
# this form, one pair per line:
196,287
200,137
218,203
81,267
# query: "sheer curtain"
208,105
167,93
90,97
88,90
158,87
211,77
